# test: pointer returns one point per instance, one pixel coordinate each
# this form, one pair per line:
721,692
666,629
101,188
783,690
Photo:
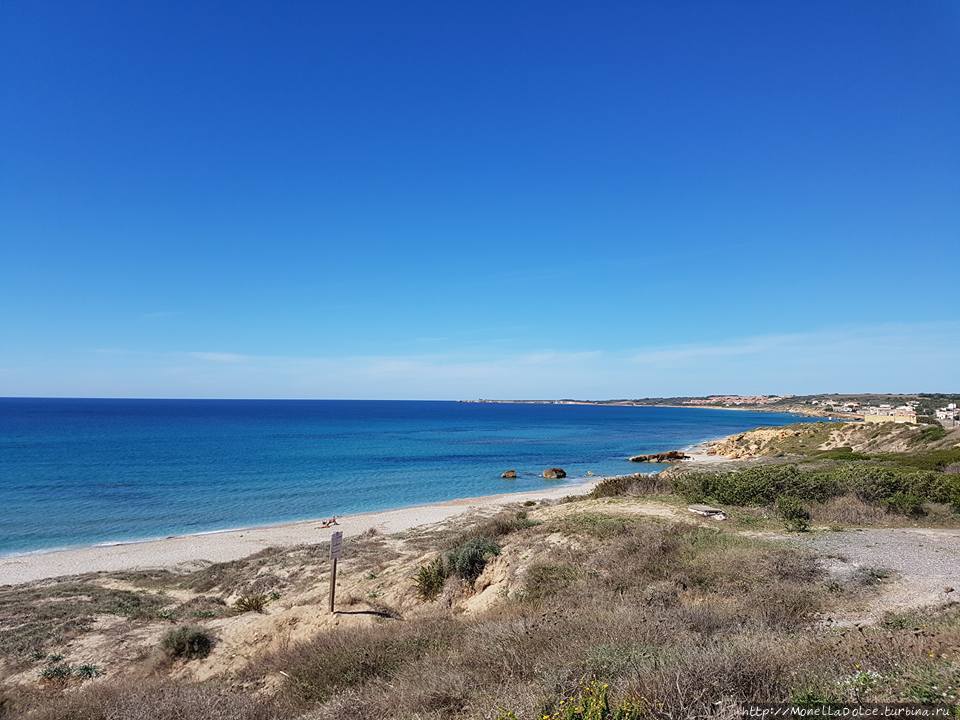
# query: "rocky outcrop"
509,474
669,456
554,473
811,438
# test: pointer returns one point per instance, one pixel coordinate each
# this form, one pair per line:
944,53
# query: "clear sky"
497,199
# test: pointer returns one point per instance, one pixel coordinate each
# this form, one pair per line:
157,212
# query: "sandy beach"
221,546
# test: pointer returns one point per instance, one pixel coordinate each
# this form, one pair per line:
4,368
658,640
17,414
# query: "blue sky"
422,200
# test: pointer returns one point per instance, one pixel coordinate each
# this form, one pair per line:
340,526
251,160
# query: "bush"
923,460
60,671
256,602
430,579
841,453
612,486
904,504
468,560
900,489
501,524
794,512
930,433
752,486
188,642
87,672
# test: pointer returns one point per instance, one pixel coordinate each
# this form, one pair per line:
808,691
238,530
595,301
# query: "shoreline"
189,550
213,546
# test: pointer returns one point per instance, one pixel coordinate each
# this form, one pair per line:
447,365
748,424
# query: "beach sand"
187,551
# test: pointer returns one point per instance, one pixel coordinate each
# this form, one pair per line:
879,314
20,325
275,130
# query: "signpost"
336,543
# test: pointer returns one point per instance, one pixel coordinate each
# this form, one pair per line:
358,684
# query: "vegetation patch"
636,484
794,513
254,602
431,578
38,616
897,489
591,524
187,642
545,579
468,559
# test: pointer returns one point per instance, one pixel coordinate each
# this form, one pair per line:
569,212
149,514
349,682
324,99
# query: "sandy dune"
183,551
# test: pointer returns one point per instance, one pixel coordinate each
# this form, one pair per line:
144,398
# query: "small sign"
336,543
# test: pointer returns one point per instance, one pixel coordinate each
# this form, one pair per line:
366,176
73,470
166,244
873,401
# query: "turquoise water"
79,472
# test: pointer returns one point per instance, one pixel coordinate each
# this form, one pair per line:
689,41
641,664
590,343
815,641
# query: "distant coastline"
787,408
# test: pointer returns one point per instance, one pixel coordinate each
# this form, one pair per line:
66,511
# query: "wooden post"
336,542
333,583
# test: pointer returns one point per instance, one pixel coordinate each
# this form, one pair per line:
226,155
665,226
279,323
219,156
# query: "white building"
886,413
950,412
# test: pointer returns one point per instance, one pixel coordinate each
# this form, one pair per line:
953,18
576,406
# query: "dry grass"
848,510
636,484
38,617
142,701
675,617
653,593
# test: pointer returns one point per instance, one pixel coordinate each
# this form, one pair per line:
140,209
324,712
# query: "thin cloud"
892,357
220,357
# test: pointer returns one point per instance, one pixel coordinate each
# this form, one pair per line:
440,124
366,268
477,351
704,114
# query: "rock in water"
554,473
670,456
509,474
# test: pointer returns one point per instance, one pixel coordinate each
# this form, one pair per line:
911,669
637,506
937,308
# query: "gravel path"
925,565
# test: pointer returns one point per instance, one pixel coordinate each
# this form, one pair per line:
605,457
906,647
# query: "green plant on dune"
794,513
187,642
468,560
430,579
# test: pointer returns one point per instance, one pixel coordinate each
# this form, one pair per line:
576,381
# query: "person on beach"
329,522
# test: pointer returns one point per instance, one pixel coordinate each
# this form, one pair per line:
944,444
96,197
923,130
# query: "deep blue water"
79,472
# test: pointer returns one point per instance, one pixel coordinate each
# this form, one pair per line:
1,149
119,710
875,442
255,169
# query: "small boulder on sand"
554,473
509,474
714,513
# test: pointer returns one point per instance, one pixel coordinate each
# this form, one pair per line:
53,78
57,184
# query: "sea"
79,472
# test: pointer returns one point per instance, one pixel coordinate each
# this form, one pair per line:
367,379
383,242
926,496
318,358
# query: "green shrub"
254,602
930,433
591,703
923,460
503,524
904,504
468,559
756,485
612,486
793,511
60,671
841,453
430,579
87,672
188,642
898,488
